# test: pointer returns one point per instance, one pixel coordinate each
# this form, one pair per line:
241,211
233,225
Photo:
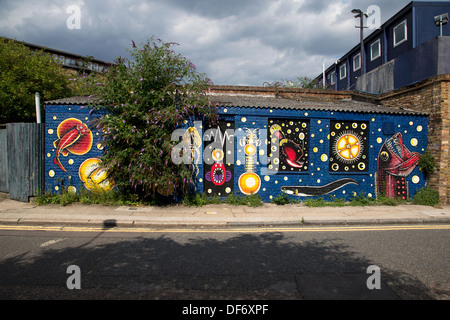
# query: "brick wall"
431,96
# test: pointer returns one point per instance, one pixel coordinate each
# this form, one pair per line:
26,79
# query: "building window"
400,33
333,77
342,71
375,50
357,62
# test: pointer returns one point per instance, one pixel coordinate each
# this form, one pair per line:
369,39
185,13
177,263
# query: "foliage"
427,163
200,200
22,74
427,197
64,198
360,200
321,202
146,99
283,199
253,200
298,83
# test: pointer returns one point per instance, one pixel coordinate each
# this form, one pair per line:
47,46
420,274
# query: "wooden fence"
22,160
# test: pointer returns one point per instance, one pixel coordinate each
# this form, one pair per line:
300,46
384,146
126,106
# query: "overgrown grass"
360,200
199,200
253,200
115,198
112,198
425,196
283,199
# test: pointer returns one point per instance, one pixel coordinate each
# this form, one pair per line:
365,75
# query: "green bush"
427,197
361,200
253,200
282,200
427,163
112,198
200,200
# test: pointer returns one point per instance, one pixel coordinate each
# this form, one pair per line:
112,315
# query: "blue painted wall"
380,127
310,133
78,152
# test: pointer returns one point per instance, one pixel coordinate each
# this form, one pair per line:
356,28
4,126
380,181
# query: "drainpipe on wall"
37,98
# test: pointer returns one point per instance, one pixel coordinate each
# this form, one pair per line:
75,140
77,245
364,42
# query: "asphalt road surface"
250,264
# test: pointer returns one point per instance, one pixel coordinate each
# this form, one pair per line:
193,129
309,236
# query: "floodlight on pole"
440,20
360,14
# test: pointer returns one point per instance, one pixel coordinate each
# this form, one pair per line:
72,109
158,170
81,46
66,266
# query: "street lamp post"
360,14
440,20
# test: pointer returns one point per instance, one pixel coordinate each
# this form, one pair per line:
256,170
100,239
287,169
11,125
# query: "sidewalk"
19,213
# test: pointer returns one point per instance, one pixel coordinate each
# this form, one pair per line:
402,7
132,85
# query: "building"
72,62
406,49
268,142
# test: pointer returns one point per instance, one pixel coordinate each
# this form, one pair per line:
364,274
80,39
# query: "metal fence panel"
25,144
4,161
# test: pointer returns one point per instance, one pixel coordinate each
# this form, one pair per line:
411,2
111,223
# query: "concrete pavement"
19,213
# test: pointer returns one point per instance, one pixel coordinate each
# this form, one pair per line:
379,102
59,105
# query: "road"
262,264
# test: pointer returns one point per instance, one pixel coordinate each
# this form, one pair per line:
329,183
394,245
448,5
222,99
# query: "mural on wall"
193,142
395,163
311,191
299,153
73,137
348,146
73,151
94,177
250,182
219,159
288,146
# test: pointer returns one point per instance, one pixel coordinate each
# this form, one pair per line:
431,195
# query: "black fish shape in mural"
311,191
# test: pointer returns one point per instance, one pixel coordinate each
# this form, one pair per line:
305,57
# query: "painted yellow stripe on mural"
226,230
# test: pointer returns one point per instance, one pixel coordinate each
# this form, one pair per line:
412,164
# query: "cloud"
234,42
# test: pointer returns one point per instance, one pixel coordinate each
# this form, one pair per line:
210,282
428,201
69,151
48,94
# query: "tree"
145,100
23,73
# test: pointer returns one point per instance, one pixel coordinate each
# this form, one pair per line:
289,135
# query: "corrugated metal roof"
307,104
271,102
76,101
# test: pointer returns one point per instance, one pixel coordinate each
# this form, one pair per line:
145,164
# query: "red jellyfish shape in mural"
291,150
74,137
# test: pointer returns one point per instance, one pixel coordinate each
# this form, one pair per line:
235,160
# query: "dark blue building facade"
407,48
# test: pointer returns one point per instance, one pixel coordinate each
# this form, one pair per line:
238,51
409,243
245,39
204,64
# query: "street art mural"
311,153
73,137
193,142
395,163
250,182
73,150
219,158
94,177
348,146
269,152
289,145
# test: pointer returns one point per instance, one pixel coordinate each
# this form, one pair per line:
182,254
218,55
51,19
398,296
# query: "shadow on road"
243,266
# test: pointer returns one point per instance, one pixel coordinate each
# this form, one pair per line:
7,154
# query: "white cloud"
233,42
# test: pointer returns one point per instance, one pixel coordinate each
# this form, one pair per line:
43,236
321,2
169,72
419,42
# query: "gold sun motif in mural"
348,147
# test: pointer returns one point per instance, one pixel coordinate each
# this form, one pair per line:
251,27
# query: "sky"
234,42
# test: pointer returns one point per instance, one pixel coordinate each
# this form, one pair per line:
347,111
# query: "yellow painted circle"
348,147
